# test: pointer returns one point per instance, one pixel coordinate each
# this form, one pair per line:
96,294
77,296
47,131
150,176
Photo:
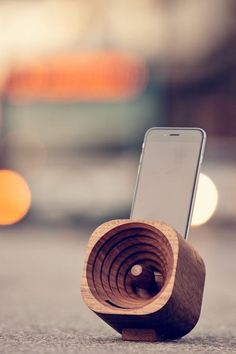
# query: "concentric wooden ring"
114,254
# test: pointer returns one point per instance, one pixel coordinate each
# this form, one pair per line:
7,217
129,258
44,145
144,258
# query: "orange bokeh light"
15,197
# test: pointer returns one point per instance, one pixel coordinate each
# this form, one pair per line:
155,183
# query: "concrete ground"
41,310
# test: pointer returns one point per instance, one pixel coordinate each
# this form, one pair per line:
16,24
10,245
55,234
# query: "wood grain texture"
108,287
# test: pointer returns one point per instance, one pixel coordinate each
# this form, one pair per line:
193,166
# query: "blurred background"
80,83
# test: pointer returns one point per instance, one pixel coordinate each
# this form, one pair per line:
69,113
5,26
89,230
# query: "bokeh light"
15,197
206,200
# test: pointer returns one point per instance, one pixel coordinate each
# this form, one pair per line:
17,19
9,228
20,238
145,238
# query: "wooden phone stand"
143,279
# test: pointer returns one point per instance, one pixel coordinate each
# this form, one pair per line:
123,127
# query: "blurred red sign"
85,76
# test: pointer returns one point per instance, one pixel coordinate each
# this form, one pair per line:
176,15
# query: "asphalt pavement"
41,310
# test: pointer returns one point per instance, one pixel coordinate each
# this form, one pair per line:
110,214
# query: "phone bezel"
175,130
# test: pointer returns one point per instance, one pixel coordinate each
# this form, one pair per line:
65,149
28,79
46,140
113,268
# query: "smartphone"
168,175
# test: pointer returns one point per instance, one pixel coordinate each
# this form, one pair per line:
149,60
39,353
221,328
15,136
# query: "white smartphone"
168,175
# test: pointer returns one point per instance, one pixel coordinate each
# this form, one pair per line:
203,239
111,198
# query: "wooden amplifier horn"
143,279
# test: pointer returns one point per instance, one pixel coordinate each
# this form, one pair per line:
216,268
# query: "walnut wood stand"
143,279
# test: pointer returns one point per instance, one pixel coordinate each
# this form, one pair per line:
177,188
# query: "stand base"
140,335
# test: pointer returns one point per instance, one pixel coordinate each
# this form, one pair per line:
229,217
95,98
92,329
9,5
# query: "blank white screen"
166,181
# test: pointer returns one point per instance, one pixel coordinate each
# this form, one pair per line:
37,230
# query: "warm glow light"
15,197
206,200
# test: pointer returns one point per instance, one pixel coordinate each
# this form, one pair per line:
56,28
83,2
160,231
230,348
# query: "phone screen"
167,177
